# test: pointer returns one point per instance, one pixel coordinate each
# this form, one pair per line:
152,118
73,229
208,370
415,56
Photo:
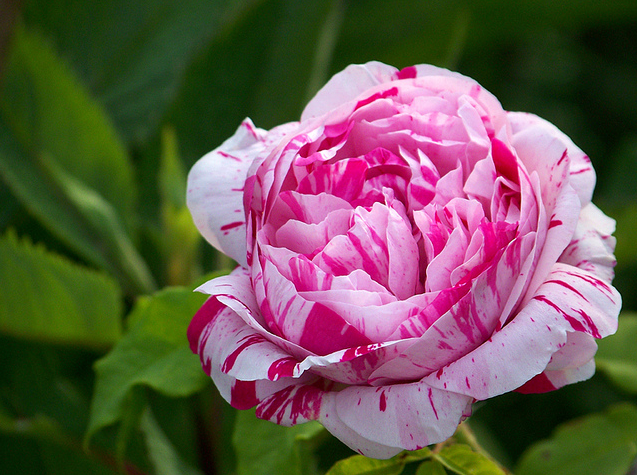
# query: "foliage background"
104,106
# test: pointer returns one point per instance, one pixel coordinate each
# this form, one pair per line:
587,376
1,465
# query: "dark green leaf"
51,447
103,221
161,452
154,352
402,33
51,113
406,32
282,90
132,54
59,157
599,443
626,216
617,357
44,297
265,448
262,67
63,461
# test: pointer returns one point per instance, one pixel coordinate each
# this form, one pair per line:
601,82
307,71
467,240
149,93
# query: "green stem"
464,435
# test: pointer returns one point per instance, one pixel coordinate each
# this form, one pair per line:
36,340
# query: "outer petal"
408,416
346,86
377,422
235,291
213,335
592,245
570,300
244,353
582,174
216,185
571,364
549,157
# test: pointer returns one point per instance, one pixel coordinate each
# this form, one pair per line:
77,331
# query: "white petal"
216,187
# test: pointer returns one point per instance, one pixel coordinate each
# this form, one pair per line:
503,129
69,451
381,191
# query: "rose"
405,249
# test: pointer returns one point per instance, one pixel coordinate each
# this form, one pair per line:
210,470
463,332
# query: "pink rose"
405,249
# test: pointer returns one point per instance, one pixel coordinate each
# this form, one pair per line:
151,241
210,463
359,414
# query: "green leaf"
282,90
102,219
37,382
599,443
67,177
161,451
264,64
430,32
53,198
154,352
180,237
626,216
133,409
133,54
411,31
361,465
38,427
50,112
63,461
44,297
171,176
461,459
616,356
55,450
264,448
431,467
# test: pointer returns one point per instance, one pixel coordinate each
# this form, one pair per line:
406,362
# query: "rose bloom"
406,249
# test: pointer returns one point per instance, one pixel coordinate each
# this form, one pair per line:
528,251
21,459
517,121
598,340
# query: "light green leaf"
154,352
361,465
50,112
616,356
161,451
461,459
180,237
44,297
431,467
264,448
599,443
171,176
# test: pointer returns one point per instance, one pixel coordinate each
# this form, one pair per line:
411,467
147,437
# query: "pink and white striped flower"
405,249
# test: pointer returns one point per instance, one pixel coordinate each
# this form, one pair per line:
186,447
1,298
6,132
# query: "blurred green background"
104,106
